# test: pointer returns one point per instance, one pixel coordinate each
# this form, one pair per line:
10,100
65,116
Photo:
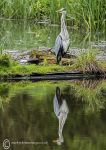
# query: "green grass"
28,69
89,14
38,69
86,62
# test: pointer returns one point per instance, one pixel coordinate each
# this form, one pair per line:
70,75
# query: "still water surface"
57,115
22,35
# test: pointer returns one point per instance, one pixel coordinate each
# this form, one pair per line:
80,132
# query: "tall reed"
88,14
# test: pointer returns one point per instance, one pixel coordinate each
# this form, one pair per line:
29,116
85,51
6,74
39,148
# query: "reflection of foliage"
4,95
25,35
90,92
30,117
91,84
93,98
4,90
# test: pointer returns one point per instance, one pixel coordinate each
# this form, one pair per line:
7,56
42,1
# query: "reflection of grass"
94,101
30,109
4,94
81,142
92,97
31,104
21,35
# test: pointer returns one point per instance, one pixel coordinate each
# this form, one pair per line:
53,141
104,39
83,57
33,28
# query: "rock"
39,56
23,61
34,61
101,56
101,45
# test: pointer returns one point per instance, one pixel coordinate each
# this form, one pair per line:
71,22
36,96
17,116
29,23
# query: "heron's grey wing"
56,105
62,118
58,44
64,107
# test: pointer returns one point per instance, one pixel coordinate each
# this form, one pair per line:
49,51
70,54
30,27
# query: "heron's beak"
58,11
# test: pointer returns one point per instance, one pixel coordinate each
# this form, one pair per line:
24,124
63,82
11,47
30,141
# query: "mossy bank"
83,64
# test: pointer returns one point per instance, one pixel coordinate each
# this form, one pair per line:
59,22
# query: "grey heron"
62,41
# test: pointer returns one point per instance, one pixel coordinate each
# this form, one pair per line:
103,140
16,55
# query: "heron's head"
58,91
62,11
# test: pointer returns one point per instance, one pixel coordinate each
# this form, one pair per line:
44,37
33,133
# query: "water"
22,35
53,115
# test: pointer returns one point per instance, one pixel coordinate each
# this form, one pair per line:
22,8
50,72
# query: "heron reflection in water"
61,110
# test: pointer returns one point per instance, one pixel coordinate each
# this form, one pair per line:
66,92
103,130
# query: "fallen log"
57,76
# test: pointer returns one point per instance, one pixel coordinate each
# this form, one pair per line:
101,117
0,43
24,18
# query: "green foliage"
5,60
35,68
45,63
87,62
85,58
89,14
16,68
24,9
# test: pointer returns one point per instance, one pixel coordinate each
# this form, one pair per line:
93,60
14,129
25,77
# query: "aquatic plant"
5,60
89,14
86,61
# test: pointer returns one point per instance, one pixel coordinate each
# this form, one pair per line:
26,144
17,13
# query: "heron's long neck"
63,26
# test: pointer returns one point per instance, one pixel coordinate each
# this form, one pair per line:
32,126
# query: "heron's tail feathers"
59,56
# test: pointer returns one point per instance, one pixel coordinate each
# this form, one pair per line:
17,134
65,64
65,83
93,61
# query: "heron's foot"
61,63
58,142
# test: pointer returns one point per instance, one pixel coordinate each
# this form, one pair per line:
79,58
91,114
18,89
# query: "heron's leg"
61,62
59,58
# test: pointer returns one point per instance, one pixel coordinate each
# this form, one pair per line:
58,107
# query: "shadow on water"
54,115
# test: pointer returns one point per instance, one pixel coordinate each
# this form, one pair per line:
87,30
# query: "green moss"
28,69
84,62
5,60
